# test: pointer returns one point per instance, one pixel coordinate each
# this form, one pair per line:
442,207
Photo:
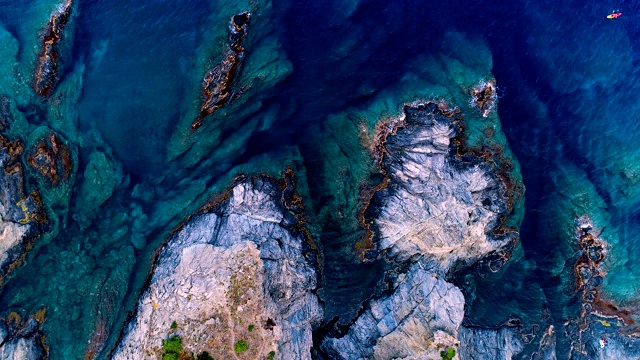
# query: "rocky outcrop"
217,84
46,74
418,319
441,207
22,339
439,199
237,279
500,344
484,96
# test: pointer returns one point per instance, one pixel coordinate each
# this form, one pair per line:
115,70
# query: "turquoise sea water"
313,75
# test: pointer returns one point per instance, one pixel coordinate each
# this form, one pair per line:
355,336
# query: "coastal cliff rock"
237,279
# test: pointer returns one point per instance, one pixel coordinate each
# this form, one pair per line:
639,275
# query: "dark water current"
570,100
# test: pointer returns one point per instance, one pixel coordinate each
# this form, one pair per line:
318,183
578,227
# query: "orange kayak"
614,15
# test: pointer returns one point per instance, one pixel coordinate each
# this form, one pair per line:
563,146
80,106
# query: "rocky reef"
46,74
241,62
217,83
603,330
236,279
23,338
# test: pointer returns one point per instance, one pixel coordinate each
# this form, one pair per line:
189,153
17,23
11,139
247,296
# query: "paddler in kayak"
614,14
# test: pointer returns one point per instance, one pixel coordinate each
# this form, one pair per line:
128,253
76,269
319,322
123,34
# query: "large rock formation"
478,343
440,207
237,279
439,200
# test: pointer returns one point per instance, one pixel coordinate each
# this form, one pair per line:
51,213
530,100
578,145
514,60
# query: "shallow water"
569,110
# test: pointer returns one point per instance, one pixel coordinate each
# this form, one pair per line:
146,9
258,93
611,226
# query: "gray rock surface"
478,344
237,271
437,203
442,208
417,321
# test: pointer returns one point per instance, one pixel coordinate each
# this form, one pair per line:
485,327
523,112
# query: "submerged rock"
46,74
101,177
237,278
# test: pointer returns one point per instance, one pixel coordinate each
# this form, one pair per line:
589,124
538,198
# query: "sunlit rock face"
441,207
241,271
478,343
418,320
440,199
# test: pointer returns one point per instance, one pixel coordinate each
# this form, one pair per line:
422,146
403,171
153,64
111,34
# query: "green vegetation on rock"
449,354
240,346
251,327
272,355
172,347
174,325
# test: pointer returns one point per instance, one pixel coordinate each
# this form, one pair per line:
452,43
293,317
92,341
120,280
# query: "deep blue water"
571,94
